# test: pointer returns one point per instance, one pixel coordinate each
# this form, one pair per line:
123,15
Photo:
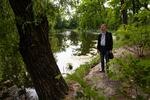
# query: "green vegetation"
84,69
85,92
135,34
134,72
11,65
128,20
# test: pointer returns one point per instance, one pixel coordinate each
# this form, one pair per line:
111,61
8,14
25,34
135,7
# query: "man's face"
103,28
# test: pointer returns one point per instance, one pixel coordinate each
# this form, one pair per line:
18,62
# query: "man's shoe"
102,71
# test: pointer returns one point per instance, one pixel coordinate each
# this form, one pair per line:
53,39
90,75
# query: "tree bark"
124,13
35,49
133,6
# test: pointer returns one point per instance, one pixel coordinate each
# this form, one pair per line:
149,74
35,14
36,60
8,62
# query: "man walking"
104,46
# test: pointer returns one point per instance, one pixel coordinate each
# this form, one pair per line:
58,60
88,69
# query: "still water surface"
73,48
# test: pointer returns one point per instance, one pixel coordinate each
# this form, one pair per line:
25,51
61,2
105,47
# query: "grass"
84,68
85,92
133,72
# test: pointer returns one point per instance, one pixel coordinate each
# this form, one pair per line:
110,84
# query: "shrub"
135,36
133,71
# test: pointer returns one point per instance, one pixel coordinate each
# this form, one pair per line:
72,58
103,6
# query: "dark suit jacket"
109,41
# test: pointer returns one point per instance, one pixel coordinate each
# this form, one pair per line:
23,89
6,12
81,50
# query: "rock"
9,91
31,94
13,91
109,91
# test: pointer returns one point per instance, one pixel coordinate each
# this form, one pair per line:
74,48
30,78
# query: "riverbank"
100,86
84,69
89,79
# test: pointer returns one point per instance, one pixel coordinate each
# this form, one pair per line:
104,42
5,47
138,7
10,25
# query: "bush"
86,92
135,36
133,71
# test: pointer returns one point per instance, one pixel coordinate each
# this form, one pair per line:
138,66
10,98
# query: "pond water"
71,48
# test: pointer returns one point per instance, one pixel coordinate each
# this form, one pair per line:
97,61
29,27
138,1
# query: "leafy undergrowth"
84,68
135,75
85,91
128,77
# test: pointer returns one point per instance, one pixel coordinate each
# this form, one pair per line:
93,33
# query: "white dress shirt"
103,39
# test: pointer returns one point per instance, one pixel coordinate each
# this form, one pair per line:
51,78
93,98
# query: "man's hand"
98,51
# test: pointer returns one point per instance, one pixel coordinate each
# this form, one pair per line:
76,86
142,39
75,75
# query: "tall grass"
86,92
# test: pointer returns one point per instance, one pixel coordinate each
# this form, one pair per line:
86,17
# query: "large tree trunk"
124,13
36,52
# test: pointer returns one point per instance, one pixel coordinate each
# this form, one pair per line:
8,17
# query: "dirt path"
100,81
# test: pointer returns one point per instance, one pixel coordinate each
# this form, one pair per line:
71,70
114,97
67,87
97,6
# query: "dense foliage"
136,34
134,72
11,64
82,15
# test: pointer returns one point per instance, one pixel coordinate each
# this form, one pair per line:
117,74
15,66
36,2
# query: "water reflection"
74,38
87,43
57,43
73,48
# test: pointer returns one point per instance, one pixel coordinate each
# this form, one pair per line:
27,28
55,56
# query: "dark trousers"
104,56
